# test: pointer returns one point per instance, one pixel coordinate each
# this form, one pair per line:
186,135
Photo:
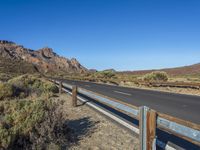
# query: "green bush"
6,91
19,118
156,76
4,77
33,84
104,74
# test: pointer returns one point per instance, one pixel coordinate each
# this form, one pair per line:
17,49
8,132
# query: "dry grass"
156,76
26,85
21,117
6,91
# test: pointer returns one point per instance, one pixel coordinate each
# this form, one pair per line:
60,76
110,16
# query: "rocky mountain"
44,60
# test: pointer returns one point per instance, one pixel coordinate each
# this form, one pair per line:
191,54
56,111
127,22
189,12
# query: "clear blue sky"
101,34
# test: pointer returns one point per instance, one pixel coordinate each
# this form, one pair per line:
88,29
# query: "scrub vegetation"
118,78
156,76
19,118
26,85
27,121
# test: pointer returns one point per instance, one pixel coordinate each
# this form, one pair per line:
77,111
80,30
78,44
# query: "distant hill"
110,70
185,70
43,60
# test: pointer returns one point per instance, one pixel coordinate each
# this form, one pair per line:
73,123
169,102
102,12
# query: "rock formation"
45,60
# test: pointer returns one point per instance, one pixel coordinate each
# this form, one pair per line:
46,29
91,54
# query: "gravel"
93,131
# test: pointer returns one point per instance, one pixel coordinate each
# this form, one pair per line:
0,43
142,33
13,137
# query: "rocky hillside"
179,71
44,60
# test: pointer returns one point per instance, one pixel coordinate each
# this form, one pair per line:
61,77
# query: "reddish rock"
44,59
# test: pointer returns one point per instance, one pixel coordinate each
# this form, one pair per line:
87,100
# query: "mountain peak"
45,59
47,52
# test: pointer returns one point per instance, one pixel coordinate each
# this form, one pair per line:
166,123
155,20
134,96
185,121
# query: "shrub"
156,76
32,84
20,118
4,77
6,91
105,74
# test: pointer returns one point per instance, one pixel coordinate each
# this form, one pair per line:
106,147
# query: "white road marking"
122,93
184,106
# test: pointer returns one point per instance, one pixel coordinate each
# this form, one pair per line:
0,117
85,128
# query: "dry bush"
156,76
30,123
30,85
4,77
27,124
27,85
19,119
6,90
102,75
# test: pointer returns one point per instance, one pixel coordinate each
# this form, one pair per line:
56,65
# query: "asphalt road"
178,105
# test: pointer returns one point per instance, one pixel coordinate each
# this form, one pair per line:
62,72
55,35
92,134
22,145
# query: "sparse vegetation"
6,90
30,85
104,74
4,77
13,68
156,76
26,85
156,80
23,121
19,119
33,124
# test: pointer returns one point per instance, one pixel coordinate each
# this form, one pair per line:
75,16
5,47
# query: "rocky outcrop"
6,42
44,59
93,70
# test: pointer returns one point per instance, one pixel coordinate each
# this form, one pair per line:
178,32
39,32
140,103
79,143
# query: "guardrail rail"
149,119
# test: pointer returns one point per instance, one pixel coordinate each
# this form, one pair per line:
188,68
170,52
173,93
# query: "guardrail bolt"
60,87
74,96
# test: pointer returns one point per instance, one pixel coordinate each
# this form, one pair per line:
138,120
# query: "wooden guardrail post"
147,126
74,96
151,129
60,87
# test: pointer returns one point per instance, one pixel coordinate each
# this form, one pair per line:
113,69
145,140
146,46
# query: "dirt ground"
187,91
93,131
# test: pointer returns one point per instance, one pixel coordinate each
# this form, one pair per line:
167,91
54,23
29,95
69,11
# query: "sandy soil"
93,131
187,91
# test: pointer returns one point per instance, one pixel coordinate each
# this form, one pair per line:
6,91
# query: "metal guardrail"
149,120
67,85
179,129
109,102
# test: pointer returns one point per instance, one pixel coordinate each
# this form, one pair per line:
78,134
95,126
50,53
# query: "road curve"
178,105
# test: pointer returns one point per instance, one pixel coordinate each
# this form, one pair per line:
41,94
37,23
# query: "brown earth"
179,71
178,90
94,131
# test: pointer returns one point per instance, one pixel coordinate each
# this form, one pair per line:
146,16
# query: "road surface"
178,105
